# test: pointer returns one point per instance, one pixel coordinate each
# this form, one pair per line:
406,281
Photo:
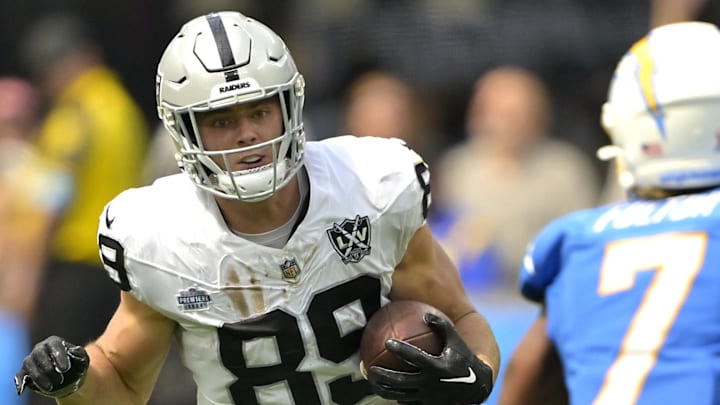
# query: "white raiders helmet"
216,61
663,109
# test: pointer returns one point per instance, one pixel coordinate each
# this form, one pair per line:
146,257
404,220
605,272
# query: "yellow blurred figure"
99,134
96,131
94,128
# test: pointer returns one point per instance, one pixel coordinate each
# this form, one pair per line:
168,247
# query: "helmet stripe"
221,40
645,75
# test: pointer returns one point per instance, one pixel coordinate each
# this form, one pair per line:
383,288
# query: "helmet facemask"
189,83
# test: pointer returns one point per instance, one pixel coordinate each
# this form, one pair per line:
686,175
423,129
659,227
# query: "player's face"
241,126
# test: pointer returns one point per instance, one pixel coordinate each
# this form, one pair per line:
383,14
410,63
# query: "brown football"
401,320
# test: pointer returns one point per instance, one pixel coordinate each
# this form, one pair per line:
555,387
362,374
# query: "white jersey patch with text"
260,325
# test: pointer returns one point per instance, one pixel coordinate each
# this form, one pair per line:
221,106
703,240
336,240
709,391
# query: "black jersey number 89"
332,346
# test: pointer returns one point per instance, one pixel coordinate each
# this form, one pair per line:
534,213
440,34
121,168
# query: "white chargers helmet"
216,61
663,110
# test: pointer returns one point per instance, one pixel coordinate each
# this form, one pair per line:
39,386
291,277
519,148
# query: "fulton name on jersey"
642,213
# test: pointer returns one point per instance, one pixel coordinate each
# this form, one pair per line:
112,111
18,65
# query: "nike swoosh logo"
108,221
468,379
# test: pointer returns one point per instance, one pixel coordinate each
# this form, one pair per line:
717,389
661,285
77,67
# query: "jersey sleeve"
413,177
395,177
64,136
111,240
395,181
122,235
408,184
542,261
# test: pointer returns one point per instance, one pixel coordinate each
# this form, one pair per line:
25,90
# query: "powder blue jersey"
632,292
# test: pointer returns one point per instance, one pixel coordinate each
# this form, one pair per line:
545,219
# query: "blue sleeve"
543,260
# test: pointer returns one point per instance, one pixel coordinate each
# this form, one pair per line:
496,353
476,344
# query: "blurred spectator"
31,194
95,130
670,11
379,103
507,179
160,157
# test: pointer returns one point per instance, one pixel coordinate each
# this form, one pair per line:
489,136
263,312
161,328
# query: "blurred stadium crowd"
502,98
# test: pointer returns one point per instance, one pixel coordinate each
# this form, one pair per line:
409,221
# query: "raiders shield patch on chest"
351,238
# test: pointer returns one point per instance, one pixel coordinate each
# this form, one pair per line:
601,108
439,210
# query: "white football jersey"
260,325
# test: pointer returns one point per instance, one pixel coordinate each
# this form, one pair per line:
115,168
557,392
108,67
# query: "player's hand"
456,376
55,368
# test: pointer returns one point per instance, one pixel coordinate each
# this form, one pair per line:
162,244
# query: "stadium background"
439,46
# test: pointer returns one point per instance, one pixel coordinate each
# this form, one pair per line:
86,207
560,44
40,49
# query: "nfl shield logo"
290,270
351,238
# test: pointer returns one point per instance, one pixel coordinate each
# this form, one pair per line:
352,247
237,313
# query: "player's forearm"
525,384
534,374
103,384
478,335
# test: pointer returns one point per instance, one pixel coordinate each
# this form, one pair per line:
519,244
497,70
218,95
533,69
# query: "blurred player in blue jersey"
630,292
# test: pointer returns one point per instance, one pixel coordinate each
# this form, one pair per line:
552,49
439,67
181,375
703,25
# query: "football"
402,320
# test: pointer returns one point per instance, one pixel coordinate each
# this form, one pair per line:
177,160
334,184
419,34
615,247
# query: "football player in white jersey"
267,256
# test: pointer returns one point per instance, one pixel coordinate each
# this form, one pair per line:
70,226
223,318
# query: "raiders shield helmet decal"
351,238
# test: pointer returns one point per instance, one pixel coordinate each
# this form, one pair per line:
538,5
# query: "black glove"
456,376
55,368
